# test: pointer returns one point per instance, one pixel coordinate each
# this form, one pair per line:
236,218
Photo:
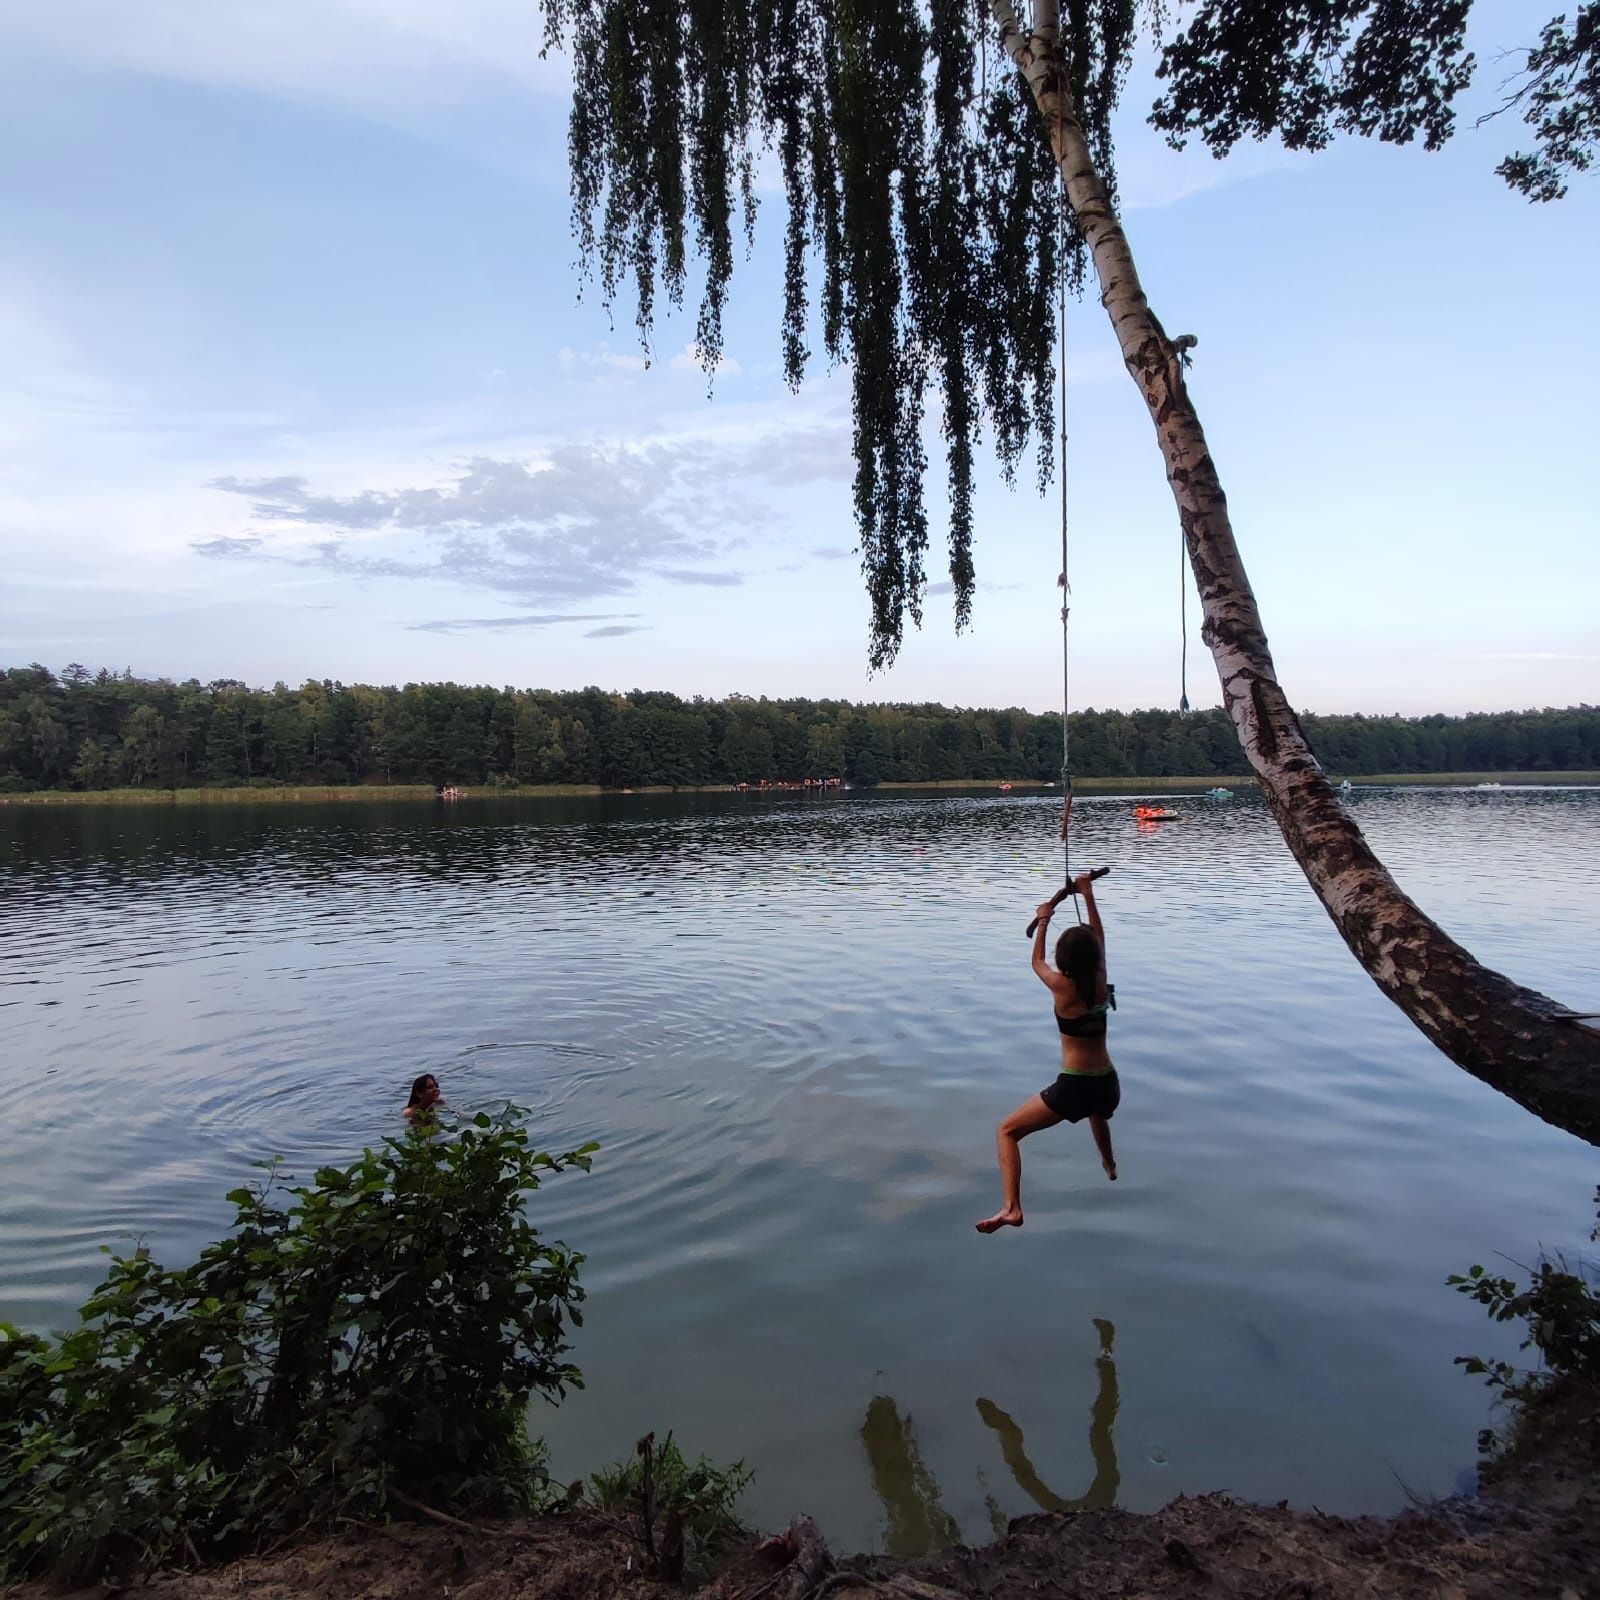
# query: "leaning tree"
944,168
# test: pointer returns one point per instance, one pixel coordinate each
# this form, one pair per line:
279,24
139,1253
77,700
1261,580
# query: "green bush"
1560,1304
378,1333
687,1515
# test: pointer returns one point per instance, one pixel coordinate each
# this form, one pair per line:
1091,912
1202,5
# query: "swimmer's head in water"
424,1092
1078,955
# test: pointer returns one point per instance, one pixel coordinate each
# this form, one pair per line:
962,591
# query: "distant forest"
102,730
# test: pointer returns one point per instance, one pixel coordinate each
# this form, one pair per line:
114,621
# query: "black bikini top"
1092,1023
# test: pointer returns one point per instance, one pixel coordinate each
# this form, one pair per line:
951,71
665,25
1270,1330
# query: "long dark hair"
1078,955
417,1085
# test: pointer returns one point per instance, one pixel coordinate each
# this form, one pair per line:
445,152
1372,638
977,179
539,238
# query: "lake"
792,1024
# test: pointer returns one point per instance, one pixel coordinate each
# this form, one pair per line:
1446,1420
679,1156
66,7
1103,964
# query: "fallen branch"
842,1580
468,1527
435,1516
375,1527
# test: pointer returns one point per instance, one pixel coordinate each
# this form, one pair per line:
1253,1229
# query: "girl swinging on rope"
1087,1085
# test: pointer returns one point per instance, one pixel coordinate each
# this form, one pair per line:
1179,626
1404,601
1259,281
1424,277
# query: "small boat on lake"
1219,793
1005,788
1154,814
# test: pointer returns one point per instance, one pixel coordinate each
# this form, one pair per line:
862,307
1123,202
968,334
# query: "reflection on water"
1102,1490
916,1524
792,1025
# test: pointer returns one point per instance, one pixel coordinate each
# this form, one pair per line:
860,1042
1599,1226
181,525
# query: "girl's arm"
1084,884
1046,973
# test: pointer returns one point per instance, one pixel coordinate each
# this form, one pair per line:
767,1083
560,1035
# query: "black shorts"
1076,1095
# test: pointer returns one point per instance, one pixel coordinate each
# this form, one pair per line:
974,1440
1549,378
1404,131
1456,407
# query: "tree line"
104,730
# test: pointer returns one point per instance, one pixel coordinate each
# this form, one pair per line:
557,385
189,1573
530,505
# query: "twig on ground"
467,1527
839,1580
435,1516
771,1583
374,1527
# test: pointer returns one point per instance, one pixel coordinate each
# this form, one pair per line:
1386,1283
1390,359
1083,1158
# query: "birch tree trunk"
1516,1040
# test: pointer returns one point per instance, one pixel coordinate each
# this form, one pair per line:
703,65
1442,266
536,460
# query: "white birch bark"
1515,1039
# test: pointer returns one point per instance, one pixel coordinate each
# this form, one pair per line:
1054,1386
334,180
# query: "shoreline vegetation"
333,1401
1532,1534
380,793
98,733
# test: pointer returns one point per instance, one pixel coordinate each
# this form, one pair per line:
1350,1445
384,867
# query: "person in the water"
1087,1085
425,1097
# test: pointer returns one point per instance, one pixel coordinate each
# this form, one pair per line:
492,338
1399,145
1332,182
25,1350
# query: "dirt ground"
1533,1531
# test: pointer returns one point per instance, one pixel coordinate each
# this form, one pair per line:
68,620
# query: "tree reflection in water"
917,1524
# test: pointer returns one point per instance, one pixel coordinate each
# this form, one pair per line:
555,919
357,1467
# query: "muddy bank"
1533,1531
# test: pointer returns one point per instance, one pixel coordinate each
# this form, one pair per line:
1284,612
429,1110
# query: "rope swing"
1183,624
1064,583
1065,580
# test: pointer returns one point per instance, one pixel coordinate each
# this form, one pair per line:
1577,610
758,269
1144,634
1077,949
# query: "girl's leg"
1101,1129
1028,1118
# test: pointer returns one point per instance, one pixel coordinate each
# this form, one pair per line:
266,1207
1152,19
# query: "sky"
296,381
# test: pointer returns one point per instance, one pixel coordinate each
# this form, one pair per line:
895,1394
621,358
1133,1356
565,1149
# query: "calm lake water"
792,1026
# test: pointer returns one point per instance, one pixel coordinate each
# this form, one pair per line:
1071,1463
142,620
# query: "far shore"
371,792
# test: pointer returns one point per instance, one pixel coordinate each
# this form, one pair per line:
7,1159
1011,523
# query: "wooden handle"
1063,893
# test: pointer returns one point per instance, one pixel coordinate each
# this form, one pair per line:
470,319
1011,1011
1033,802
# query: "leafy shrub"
377,1333
688,1515
1560,1305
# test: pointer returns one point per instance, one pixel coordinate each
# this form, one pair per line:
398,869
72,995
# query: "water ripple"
792,1025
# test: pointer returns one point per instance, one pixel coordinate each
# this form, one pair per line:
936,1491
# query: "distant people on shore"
425,1099
766,785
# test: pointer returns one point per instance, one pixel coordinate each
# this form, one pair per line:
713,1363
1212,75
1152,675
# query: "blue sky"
295,381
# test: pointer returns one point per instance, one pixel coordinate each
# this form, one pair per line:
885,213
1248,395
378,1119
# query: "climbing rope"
1065,580
1183,624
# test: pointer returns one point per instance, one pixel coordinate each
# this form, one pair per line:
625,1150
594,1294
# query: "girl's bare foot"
1009,1218
1110,1165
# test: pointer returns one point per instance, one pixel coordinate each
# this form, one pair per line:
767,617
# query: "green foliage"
379,1332
918,187
1559,94
1305,69
1560,1306
444,732
688,1514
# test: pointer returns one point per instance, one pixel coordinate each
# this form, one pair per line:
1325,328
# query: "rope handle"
1066,893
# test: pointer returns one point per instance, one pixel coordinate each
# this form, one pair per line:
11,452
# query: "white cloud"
1523,655
362,52
1151,174
584,520
574,360
692,359
505,624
